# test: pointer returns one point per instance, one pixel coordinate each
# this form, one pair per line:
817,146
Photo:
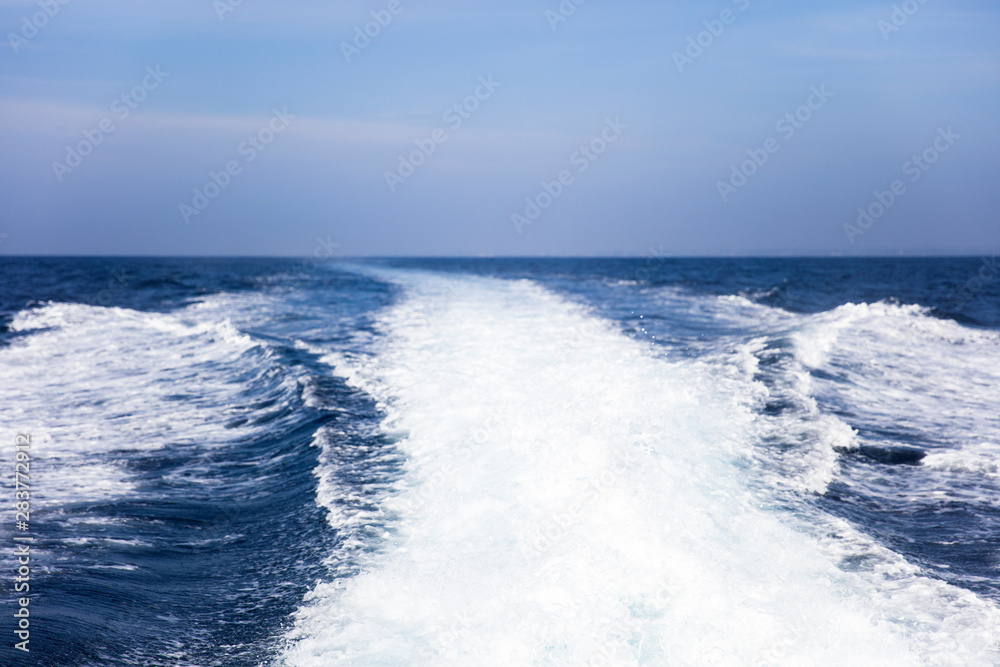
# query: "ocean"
650,461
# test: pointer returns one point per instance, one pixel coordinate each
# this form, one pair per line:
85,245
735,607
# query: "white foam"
87,382
898,367
572,498
981,458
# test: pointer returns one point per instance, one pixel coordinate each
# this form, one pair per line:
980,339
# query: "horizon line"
493,257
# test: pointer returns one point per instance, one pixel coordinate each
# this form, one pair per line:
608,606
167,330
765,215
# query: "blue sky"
894,80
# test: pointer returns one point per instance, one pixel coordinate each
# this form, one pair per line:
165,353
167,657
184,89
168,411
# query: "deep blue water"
221,446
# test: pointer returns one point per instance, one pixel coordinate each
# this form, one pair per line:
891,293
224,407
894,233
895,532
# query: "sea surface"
650,461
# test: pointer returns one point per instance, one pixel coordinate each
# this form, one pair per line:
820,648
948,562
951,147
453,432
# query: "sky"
514,128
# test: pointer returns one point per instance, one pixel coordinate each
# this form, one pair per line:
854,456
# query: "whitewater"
572,496
507,462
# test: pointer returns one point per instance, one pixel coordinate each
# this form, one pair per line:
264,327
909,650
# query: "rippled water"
506,462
